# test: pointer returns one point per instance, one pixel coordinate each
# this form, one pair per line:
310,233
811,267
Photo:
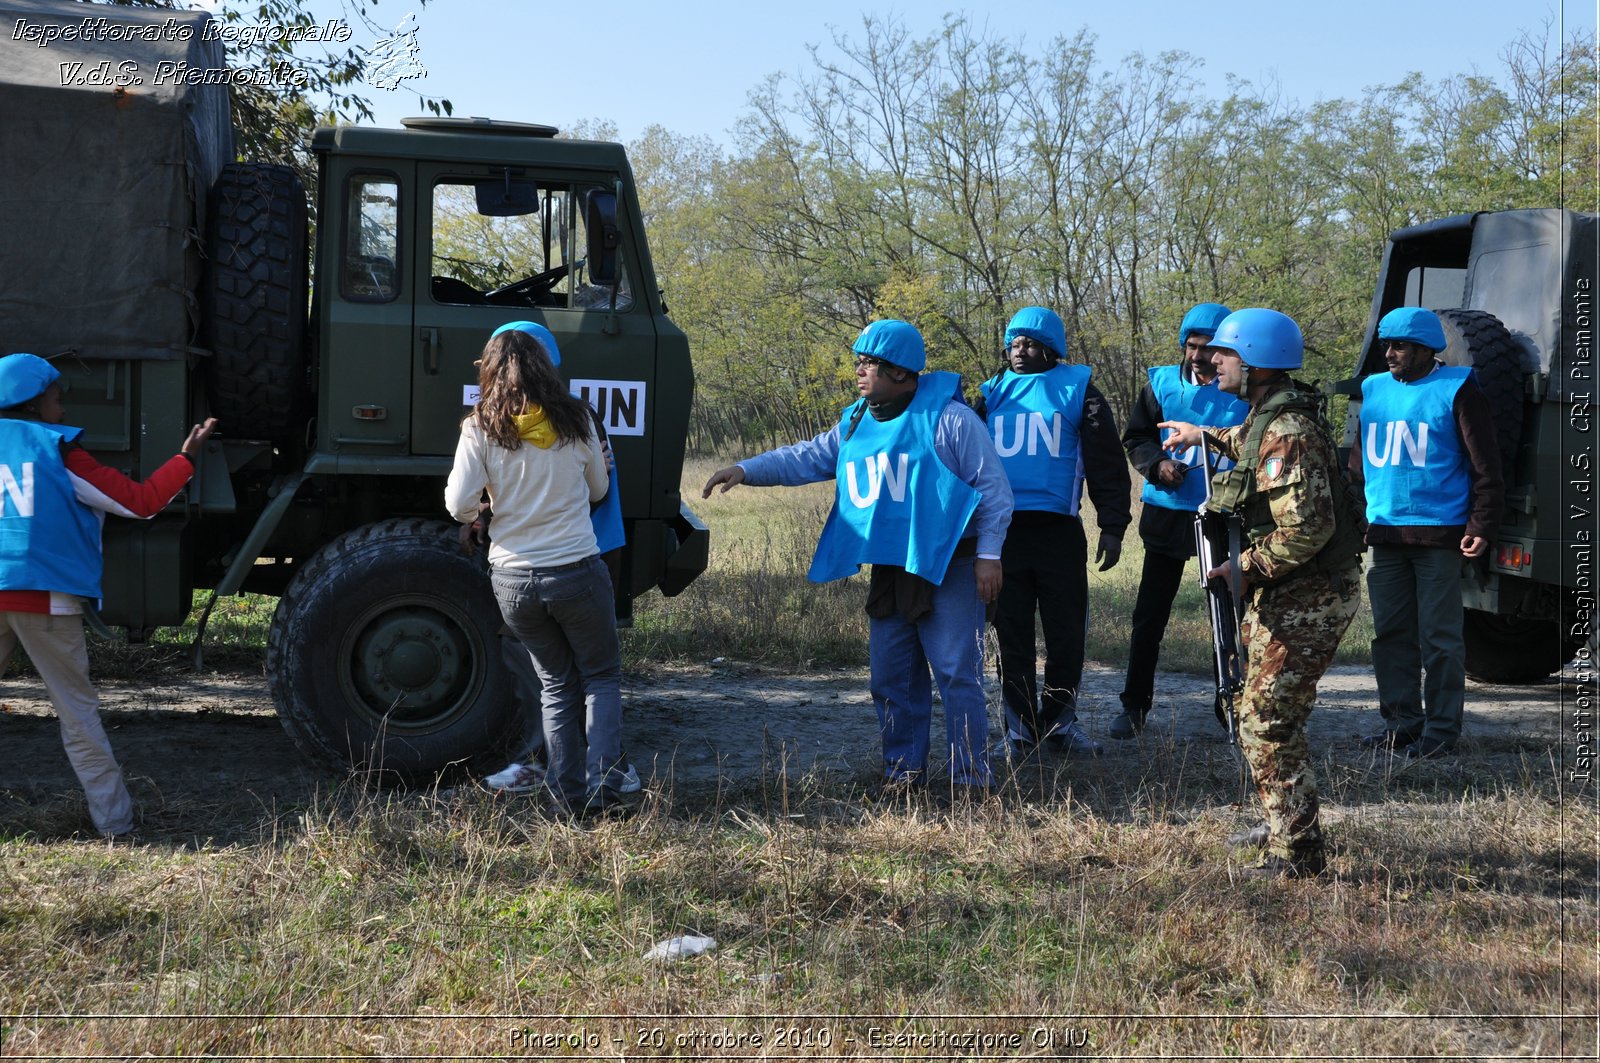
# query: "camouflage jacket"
1291,513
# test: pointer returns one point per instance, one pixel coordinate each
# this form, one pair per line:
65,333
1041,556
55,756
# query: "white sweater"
540,497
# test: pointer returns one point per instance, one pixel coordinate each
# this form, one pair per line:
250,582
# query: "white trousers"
56,647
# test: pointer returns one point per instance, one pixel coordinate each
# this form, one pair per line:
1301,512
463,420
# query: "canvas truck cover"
104,170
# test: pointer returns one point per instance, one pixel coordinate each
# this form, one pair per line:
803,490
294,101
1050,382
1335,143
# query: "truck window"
532,258
1435,287
372,253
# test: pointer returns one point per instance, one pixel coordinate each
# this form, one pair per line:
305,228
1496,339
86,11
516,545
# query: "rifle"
1216,539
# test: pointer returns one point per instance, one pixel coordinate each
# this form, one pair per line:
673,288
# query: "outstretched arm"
104,488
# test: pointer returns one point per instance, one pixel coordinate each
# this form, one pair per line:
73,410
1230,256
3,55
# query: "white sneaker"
1074,739
628,781
630,784
516,778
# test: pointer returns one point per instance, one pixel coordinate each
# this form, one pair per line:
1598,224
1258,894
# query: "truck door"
366,307
507,243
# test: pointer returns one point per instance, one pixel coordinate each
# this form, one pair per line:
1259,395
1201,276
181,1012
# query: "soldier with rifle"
1298,568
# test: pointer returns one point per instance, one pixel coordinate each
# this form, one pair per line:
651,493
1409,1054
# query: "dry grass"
1098,907
1456,924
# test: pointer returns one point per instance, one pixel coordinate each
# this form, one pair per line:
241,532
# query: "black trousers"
1045,561
1152,609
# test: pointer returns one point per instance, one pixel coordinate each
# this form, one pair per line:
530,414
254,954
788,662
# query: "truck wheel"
255,300
384,653
1478,339
1512,649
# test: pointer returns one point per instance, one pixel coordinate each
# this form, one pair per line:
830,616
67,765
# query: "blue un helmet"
1263,339
1203,318
896,342
1413,324
538,332
1039,323
24,377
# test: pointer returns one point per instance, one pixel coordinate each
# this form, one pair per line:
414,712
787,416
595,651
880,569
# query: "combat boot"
1251,838
1308,863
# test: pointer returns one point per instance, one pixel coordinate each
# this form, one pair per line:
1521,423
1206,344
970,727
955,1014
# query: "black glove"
1109,552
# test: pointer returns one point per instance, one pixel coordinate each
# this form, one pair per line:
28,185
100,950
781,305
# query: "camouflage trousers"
1290,632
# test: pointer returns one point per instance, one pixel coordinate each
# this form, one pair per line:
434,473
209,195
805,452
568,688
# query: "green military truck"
167,282
1515,290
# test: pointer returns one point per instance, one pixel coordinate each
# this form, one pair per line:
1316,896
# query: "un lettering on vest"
878,476
16,497
1399,442
1030,430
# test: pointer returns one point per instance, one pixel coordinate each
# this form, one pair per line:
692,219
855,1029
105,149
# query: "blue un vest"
1203,404
896,502
607,519
1415,469
1035,419
49,541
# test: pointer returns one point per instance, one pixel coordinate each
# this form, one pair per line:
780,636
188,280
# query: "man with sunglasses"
1053,431
921,496
1428,462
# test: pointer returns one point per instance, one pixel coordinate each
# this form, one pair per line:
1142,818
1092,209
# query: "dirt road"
207,760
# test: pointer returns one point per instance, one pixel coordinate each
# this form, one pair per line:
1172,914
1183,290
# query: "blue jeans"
566,618
949,641
1415,592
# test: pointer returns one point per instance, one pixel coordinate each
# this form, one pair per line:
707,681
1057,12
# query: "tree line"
953,177
949,179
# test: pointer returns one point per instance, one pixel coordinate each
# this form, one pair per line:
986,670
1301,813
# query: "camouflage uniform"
1297,609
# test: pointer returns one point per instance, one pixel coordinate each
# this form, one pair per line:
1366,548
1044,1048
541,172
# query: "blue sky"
689,66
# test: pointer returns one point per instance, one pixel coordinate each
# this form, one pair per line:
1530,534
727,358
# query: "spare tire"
1478,340
255,301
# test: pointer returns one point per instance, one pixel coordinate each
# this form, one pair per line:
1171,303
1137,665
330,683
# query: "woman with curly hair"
533,447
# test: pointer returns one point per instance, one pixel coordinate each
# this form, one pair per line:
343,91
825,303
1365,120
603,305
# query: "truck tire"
1513,649
384,653
254,301
1478,340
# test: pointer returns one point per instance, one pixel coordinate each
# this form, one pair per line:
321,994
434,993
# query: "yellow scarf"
533,427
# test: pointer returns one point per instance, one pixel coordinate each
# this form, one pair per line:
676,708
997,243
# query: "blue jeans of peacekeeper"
949,641
1415,593
566,618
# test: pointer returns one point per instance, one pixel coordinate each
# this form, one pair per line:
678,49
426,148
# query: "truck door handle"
430,350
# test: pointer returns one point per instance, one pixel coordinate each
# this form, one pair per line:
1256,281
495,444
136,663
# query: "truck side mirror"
600,222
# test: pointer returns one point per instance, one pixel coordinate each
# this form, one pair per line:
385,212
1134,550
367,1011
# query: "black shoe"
1387,739
1425,747
1303,865
1253,838
1126,726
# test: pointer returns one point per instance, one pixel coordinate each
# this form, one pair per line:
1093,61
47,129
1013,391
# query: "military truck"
1515,291
167,282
